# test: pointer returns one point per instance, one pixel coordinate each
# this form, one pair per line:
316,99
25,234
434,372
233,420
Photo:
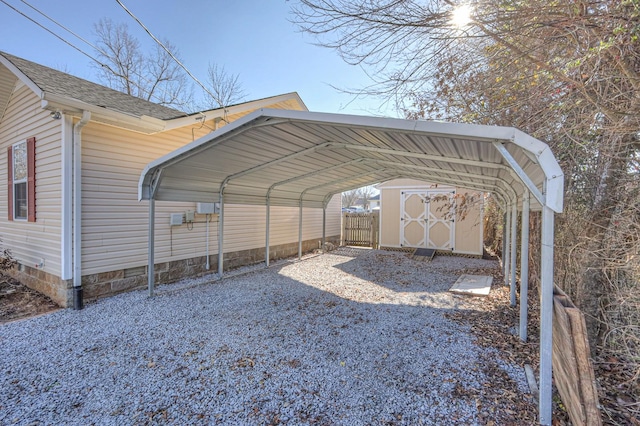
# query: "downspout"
77,210
66,235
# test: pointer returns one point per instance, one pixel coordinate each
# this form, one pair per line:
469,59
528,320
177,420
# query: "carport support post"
221,236
151,244
514,232
506,257
300,232
504,240
524,265
546,315
266,243
324,226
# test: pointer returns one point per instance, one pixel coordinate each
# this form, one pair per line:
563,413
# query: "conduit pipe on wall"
77,210
207,218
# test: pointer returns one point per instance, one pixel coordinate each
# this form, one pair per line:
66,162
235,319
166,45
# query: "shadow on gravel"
320,342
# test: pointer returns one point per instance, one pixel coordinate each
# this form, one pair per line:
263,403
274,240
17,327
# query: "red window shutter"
10,181
31,179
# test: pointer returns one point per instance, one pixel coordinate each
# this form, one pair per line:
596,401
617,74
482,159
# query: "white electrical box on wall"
175,219
189,216
206,208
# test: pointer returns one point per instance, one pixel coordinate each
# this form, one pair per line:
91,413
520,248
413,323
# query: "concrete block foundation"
117,281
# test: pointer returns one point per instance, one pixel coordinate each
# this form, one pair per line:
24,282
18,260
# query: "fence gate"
361,229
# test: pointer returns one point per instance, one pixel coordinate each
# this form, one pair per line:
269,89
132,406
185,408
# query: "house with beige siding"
418,214
73,152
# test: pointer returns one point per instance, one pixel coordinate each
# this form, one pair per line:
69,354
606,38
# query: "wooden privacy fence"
572,367
361,229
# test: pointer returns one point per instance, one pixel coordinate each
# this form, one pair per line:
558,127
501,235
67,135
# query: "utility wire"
214,97
63,27
77,48
105,54
56,35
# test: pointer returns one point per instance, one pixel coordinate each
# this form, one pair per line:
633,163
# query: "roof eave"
21,76
142,124
235,109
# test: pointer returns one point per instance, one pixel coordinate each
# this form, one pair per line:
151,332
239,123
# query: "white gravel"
353,337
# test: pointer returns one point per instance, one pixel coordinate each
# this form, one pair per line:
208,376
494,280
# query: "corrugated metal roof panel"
300,156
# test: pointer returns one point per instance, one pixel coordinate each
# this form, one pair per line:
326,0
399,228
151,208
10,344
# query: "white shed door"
426,221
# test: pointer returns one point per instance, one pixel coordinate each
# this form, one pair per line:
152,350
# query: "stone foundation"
59,290
114,282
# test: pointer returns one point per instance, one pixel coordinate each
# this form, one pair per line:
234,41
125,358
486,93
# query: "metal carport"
301,158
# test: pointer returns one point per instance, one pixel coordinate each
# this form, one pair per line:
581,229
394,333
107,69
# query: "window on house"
21,181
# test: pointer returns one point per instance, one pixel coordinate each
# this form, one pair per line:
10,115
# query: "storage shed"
418,214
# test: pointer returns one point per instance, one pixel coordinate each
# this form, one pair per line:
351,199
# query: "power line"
170,53
98,49
101,51
53,34
62,26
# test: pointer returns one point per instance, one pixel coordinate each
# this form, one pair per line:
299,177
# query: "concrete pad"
472,285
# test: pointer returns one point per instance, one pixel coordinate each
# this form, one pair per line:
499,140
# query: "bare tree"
567,72
225,88
350,198
360,196
154,77
365,193
157,76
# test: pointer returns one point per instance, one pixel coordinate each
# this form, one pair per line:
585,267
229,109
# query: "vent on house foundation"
135,272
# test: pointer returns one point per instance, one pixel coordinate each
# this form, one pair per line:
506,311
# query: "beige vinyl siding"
31,242
115,224
389,217
7,83
469,232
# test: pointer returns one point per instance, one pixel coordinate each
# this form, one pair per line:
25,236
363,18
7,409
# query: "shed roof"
292,157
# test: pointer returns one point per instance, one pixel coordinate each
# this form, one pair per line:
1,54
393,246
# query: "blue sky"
252,38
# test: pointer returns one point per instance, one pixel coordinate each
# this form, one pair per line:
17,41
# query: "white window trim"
14,181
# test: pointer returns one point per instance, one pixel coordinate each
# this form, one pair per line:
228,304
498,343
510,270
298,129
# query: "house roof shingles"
50,80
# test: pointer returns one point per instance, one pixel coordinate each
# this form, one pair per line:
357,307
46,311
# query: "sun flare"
461,16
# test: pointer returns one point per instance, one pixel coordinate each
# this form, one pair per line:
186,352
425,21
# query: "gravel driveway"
353,337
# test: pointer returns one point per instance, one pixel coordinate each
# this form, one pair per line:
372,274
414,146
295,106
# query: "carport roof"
292,157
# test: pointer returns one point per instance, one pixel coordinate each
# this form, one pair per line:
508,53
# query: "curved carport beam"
454,182
521,174
507,191
438,172
215,138
480,187
422,156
